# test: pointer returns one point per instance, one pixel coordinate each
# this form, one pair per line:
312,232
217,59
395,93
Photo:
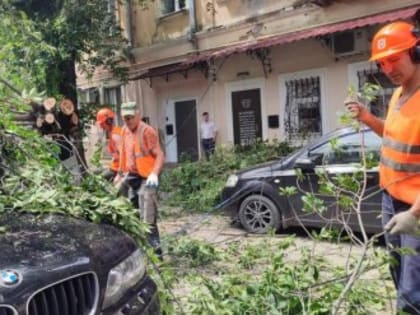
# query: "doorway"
181,131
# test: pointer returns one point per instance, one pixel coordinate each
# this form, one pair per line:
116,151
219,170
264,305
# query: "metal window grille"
303,108
379,106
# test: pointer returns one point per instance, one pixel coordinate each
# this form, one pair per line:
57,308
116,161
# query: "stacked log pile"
50,116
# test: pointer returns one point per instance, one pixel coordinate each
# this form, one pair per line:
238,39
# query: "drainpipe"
193,24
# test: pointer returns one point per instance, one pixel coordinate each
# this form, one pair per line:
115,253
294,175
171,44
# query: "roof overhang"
163,70
303,34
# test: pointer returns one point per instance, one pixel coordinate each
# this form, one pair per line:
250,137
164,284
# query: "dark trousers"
144,199
406,271
208,147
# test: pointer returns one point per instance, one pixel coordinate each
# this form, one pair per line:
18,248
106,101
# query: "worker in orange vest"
396,50
141,163
105,119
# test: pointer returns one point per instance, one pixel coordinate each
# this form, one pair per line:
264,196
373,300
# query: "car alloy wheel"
258,214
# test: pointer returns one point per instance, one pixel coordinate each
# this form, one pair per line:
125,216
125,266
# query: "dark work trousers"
406,273
143,198
208,147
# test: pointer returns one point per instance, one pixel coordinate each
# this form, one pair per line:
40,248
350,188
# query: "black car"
253,196
59,265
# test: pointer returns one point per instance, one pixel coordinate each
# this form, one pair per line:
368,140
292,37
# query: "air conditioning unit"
350,42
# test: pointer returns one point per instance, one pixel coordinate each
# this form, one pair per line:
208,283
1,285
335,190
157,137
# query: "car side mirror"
304,164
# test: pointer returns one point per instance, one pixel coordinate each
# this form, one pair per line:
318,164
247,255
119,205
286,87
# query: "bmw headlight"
232,181
124,276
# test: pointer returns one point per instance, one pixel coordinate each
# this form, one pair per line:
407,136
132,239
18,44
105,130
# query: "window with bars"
303,108
169,6
112,98
379,106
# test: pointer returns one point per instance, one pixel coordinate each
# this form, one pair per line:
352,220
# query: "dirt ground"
217,230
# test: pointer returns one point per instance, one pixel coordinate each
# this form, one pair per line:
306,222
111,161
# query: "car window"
346,149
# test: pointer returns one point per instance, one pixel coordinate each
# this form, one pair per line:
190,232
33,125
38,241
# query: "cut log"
29,124
49,103
19,116
39,122
67,107
49,118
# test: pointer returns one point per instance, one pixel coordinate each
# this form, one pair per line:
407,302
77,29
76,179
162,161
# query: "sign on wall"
246,109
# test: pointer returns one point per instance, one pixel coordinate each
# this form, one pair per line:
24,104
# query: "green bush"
197,185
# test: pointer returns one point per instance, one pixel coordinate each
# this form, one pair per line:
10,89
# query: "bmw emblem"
9,278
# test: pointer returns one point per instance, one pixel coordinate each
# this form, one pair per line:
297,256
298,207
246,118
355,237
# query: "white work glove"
152,180
403,223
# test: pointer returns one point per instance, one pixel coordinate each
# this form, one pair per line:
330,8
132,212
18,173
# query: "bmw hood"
53,240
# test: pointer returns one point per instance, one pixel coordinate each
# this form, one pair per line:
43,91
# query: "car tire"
258,214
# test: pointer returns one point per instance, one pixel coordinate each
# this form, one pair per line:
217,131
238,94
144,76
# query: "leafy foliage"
367,94
262,278
197,185
193,253
80,31
35,181
23,54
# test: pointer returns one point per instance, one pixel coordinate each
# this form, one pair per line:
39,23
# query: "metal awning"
304,34
164,70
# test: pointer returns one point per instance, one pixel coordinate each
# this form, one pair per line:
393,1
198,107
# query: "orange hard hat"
392,39
103,114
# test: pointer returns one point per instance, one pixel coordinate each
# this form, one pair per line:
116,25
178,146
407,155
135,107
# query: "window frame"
176,7
323,104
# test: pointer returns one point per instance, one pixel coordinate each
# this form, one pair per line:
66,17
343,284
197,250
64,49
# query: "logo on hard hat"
9,278
381,43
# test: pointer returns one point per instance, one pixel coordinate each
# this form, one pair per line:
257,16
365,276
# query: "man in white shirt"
208,132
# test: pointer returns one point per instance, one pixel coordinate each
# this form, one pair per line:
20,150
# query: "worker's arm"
151,138
361,113
160,159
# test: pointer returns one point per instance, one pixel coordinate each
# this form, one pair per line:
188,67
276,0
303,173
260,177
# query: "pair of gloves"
151,181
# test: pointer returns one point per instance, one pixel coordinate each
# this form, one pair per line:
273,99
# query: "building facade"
268,69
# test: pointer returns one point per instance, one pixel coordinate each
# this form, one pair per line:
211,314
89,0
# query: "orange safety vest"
114,143
144,160
399,167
